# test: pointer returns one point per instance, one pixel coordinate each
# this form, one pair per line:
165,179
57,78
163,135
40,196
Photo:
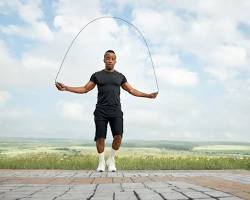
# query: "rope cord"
117,18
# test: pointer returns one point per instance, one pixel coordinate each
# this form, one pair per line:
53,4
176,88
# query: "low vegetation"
136,155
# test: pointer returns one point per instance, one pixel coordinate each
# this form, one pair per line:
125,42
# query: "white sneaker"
111,165
101,166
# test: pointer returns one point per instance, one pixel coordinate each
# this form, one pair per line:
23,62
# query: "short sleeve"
93,78
124,80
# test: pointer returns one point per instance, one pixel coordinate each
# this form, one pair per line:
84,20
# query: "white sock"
101,157
112,153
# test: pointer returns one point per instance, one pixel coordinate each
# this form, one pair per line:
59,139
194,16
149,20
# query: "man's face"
109,60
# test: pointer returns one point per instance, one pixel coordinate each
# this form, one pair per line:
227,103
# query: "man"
108,107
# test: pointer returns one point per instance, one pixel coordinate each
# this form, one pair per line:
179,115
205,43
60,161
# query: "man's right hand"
153,95
61,86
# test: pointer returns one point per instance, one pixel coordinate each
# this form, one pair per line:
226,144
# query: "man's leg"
116,125
100,135
115,146
100,145
116,142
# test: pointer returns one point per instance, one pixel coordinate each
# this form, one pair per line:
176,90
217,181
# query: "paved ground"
121,185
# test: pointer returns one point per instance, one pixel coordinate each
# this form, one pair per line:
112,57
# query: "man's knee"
100,140
117,139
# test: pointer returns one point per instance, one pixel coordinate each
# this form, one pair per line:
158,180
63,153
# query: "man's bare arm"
126,86
80,90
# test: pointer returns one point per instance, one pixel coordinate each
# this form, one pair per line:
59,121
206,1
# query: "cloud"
71,17
38,31
4,97
230,56
34,28
10,72
178,76
227,62
201,59
171,70
72,110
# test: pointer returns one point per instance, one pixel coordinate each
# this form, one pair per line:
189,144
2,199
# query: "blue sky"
201,51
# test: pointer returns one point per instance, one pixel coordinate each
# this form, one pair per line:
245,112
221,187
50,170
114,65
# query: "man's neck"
112,70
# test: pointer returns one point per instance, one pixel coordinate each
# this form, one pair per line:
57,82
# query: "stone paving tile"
121,185
125,196
217,194
173,195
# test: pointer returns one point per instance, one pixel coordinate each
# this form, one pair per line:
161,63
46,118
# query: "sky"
200,49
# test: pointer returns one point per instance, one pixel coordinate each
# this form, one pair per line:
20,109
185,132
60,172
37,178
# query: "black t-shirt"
108,84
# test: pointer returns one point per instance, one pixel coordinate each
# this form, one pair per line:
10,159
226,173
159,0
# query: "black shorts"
101,122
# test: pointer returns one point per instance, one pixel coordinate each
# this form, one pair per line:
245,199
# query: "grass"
124,162
222,148
132,156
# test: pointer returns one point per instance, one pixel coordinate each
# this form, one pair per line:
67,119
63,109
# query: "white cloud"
32,14
12,114
230,56
178,76
159,26
180,34
4,97
37,62
38,31
7,7
227,62
72,111
10,70
71,17
31,11
222,73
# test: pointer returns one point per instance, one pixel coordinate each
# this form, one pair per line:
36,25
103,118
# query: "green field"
31,153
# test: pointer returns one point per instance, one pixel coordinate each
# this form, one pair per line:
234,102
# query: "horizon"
125,141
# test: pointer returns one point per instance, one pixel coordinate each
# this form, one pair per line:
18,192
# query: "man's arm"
126,86
83,89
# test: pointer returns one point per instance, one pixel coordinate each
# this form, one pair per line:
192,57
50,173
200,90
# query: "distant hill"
166,144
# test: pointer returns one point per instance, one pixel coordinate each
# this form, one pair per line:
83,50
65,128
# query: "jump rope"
116,18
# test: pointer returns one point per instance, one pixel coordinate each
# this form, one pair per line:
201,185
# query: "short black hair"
110,51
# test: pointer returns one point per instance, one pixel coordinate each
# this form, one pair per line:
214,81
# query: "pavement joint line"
122,189
93,180
217,198
176,187
93,194
211,195
73,177
132,179
154,191
151,178
12,189
33,193
189,198
136,195
65,192
91,173
58,173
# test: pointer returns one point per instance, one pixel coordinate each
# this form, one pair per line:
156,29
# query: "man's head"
109,60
